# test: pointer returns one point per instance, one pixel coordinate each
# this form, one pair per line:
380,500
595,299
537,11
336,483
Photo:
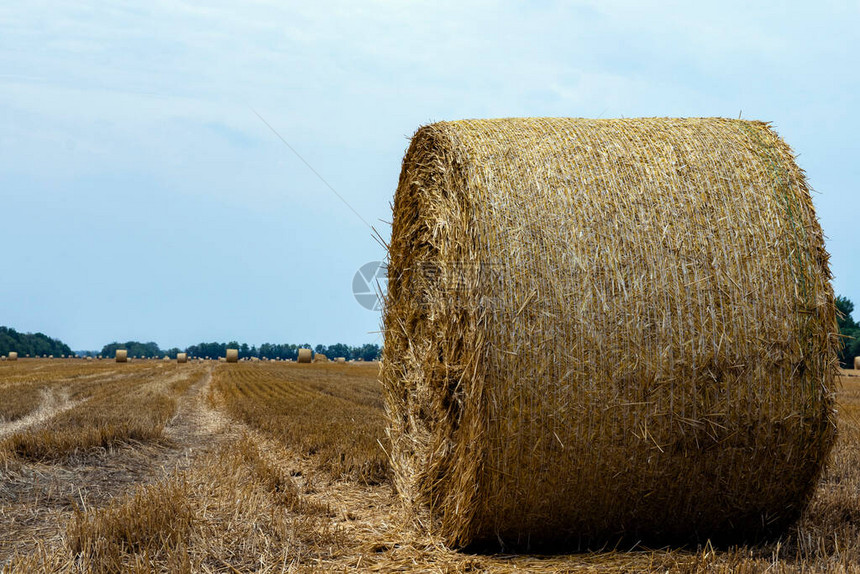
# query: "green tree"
849,331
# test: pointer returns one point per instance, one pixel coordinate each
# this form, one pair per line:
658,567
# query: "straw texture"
304,356
121,356
232,355
13,356
856,363
604,329
181,357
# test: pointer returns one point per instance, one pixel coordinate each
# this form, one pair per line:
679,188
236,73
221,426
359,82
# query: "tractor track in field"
54,402
196,427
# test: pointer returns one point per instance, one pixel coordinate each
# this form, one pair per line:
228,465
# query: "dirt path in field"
54,401
196,427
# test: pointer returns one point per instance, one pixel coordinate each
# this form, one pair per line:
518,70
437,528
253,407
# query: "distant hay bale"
3,357
856,363
232,356
89,358
121,356
320,358
13,356
222,360
341,359
166,359
304,356
528,256
181,357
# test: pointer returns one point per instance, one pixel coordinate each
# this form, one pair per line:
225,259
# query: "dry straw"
603,329
232,356
181,357
121,356
13,356
304,356
320,358
856,363
166,359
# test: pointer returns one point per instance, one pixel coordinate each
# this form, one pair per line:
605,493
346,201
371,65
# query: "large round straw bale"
232,355
320,358
529,256
304,356
856,363
13,356
181,357
121,356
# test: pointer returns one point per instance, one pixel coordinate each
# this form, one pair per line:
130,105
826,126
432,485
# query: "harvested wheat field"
272,467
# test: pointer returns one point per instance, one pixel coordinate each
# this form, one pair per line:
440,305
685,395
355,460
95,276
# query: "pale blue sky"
141,198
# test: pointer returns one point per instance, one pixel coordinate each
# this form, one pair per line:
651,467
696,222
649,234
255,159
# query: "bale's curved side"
304,356
181,357
121,356
13,356
232,356
857,363
528,256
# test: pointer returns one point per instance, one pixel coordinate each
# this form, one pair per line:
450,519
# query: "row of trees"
850,331
368,352
33,344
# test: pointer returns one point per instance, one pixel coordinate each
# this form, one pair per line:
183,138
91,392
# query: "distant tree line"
368,352
850,331
32,344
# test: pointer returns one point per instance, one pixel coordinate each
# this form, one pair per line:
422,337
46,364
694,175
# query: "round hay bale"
89,358
304,356
528,256
232,356
222,360
121,356
341,359
2,357
166,359
320,358
181,357
856,363
13,356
